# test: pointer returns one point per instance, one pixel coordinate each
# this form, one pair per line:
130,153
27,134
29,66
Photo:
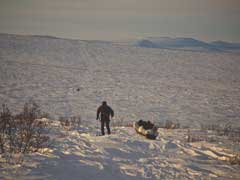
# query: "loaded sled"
146,128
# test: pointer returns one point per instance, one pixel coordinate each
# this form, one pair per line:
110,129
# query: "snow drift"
78,154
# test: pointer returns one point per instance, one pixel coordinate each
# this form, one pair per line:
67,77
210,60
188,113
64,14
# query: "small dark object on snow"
146,128
78,89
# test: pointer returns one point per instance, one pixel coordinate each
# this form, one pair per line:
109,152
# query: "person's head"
104,103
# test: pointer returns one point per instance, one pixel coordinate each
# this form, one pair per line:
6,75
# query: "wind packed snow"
78,154
72,77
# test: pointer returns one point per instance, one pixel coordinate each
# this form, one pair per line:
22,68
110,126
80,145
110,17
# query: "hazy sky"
123,19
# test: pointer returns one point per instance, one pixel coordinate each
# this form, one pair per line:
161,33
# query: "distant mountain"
226,45
186,44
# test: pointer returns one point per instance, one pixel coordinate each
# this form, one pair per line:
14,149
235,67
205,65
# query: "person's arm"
98,112
112,112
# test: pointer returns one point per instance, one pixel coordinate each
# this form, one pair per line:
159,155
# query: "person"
105,112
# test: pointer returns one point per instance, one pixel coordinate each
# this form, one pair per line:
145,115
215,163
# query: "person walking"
105,112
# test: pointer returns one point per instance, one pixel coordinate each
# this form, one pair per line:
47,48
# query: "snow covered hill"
71,77
78,154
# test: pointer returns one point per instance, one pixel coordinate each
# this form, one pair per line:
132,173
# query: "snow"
80,154
139,83
72,77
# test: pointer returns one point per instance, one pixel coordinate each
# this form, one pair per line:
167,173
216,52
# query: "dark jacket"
105,111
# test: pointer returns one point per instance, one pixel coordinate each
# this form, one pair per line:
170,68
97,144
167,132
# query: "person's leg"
108,126
102,127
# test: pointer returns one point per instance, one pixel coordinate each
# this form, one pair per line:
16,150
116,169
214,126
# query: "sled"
146,128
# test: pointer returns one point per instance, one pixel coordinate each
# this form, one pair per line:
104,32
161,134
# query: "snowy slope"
79,155
153,84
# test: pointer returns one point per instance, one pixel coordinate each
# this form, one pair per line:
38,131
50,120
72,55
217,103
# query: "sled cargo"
146,128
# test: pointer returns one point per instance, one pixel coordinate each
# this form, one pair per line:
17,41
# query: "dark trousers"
107,122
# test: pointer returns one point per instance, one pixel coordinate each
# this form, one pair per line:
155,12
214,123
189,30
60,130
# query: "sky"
207,20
